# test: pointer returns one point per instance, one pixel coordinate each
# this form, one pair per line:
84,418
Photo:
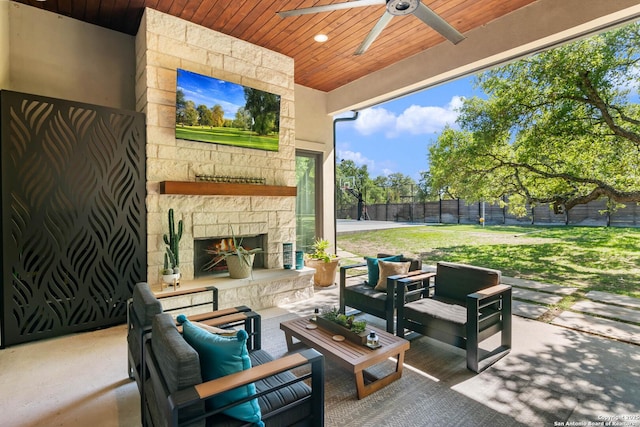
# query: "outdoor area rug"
413,400
553,375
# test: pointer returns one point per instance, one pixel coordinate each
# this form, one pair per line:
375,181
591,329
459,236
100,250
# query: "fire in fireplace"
206,250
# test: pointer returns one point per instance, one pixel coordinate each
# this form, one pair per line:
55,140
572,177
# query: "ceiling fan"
394,8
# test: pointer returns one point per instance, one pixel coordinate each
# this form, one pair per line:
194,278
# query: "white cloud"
387,172
455,103
415,120
357,158
374,120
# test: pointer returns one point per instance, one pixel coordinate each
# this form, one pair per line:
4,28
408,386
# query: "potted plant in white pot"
171,269
239,259
325,263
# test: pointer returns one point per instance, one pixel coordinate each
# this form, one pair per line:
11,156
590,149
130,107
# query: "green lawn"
590,258
228,136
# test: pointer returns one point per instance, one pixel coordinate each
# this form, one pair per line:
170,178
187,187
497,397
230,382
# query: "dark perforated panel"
73,208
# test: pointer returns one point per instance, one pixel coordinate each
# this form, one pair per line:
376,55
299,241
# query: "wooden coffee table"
353,357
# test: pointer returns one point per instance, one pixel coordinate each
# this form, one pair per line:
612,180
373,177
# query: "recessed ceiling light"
321,38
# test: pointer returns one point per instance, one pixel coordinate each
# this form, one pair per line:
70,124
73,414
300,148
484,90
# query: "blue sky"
209,91
395,136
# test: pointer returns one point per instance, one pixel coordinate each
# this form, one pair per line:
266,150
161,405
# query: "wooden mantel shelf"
224,189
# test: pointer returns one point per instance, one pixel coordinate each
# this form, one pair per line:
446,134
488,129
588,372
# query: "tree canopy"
264,108
217,115
394,188
560,128
205,117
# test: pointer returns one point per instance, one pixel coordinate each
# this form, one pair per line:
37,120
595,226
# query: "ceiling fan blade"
375,32
433,20
330,7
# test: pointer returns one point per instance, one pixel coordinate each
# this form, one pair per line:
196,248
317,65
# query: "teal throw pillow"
373,269
221,356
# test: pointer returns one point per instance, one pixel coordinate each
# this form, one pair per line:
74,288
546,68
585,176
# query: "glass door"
307,204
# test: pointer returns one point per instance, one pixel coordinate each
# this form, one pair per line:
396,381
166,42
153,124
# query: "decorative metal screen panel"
74,218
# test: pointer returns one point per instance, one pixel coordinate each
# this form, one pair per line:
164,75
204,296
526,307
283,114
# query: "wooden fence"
459,212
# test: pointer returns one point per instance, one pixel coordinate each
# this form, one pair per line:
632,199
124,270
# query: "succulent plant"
237,250
349,322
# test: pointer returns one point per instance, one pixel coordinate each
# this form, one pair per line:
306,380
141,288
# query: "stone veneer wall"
164,44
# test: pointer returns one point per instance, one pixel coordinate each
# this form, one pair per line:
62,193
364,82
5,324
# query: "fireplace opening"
205,250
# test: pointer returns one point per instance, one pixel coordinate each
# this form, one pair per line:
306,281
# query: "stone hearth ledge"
268,288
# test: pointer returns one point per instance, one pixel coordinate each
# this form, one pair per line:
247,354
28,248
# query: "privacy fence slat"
460,212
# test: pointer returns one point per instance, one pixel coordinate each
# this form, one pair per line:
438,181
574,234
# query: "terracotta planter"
238,267
325,274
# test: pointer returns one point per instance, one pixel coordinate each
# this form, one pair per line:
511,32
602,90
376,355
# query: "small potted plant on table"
353,330
325,263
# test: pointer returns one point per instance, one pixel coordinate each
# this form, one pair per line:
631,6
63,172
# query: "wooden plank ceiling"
323,66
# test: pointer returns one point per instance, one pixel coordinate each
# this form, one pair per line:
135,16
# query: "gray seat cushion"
145,304
367,291
179,362
436,308
456,281
276,400
273,401
447,314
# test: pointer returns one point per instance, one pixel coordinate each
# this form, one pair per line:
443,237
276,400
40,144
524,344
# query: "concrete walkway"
353,226
600,313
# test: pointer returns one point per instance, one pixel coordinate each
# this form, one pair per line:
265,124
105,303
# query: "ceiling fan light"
402,7
321,38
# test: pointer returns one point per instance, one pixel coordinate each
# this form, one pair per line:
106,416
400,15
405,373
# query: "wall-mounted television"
221,112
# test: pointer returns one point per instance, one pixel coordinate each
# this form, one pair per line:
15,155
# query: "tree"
379,191
264,108
181,104
401,188
217,116
205,118
190,114
426,190
360,175
243,119
558,128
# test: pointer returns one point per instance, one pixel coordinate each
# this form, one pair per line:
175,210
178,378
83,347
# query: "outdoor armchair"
468,306
176,395
356,291
144,305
